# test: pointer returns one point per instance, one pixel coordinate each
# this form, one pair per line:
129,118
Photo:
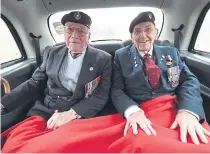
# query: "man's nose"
142,34
74,34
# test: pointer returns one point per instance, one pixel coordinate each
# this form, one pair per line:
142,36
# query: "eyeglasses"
138,32
80,32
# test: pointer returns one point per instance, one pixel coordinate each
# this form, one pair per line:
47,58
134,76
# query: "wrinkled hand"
60,118
188,123
139,119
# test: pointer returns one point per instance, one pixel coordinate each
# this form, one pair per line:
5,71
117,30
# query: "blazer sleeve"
29,90
120,99
188,91
91,106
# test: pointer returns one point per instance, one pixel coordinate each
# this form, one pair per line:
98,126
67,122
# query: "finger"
134,127
56,126
151,130
53,122
174,125
191,130
206,131
144,127
51,125
183,132
149,125
50,121
127,126
200,133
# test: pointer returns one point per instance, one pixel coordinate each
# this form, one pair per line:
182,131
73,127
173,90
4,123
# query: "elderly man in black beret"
146,78
75,78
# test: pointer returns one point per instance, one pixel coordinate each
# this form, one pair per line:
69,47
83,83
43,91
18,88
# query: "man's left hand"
188,123
60,118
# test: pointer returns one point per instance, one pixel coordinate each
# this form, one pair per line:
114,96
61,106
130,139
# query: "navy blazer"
131,87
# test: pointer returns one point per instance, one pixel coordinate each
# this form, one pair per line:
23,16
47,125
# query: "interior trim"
205,90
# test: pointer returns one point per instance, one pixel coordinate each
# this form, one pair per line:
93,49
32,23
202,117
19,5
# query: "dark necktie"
153,71
75,55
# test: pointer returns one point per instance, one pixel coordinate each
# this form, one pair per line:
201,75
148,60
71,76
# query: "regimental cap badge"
150,15
77,16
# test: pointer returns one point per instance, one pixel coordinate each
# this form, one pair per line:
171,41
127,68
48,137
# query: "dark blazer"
56,96
131,87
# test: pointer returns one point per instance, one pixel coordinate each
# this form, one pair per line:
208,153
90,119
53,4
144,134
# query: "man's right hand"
139,119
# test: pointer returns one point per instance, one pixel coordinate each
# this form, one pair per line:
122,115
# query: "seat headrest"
157,42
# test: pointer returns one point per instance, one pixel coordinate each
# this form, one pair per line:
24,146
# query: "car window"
107,23
9,49
203,39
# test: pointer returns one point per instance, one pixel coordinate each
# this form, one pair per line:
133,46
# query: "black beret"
142,17
77,17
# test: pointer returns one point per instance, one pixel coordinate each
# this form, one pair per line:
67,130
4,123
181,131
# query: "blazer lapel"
160,58
88,61
57,65
137,62
135,58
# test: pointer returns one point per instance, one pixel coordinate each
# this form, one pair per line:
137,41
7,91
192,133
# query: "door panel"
18,73
200,66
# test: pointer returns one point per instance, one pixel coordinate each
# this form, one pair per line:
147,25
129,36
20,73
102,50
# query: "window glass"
107,23
203,40
9,50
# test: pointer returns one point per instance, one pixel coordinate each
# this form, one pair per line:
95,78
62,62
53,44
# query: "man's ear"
89,35
132,39
157,31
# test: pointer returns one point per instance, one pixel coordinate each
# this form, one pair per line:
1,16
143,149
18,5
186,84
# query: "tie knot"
75,55
147,55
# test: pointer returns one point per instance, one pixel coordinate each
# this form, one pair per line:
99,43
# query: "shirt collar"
150,52
69,52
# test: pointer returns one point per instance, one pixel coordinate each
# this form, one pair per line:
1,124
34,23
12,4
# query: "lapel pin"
91,68
168,63
168,60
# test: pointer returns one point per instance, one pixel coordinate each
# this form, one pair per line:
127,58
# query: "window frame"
18,42
197,30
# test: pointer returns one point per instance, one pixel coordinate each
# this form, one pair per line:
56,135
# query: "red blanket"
103,134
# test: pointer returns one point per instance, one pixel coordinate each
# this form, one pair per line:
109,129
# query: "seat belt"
177,35
37,48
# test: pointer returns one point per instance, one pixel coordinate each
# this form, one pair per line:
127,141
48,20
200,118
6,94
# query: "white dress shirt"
70,71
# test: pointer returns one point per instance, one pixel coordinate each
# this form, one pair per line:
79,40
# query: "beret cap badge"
77,16
150,16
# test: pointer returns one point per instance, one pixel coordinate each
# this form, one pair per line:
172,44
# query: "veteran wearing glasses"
75,80
157,94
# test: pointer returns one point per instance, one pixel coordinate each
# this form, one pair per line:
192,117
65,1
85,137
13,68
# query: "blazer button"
58,97
153,92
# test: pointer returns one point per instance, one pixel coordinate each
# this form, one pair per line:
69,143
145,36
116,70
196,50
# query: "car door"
16,68
197,58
